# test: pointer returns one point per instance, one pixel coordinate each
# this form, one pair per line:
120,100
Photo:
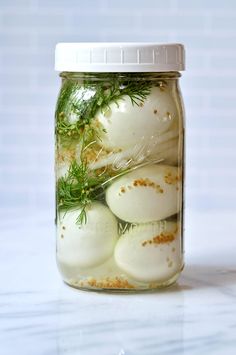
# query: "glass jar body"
119,180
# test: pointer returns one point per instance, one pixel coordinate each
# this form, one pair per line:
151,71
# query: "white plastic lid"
119,57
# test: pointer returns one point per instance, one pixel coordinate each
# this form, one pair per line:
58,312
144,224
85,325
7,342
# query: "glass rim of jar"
97,76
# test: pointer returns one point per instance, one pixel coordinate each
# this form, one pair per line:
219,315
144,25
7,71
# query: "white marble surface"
39,315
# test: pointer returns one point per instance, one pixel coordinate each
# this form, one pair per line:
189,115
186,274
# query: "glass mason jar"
119,165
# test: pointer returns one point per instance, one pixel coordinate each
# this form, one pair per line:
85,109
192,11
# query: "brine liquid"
120,209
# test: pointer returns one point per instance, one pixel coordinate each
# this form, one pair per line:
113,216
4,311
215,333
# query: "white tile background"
29,30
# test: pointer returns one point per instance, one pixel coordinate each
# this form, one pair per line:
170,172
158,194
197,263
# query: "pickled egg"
146,194
125,124
150,252
91,243
165,149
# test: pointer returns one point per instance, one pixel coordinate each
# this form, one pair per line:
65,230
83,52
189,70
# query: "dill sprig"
78,103
78,188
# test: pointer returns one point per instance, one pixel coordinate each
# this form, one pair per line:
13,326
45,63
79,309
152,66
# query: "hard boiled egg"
147,194
165,148
150,252
125,124
90,244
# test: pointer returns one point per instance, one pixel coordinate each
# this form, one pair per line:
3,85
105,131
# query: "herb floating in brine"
77,189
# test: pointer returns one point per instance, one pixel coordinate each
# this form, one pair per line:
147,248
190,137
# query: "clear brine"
119,172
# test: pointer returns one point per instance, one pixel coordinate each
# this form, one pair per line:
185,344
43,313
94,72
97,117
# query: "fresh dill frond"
137,91
78,189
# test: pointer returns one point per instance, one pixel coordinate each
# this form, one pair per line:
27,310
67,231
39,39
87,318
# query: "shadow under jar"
119,165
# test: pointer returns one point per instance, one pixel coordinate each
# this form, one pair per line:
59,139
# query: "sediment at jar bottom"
123,283
119,284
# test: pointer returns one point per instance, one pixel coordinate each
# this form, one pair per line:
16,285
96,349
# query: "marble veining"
39,315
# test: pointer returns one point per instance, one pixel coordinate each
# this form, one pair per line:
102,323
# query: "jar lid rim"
119,57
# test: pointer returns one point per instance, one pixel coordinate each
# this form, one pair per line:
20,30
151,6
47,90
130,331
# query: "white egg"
150,252
124,124
90,244
165,148
147,194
